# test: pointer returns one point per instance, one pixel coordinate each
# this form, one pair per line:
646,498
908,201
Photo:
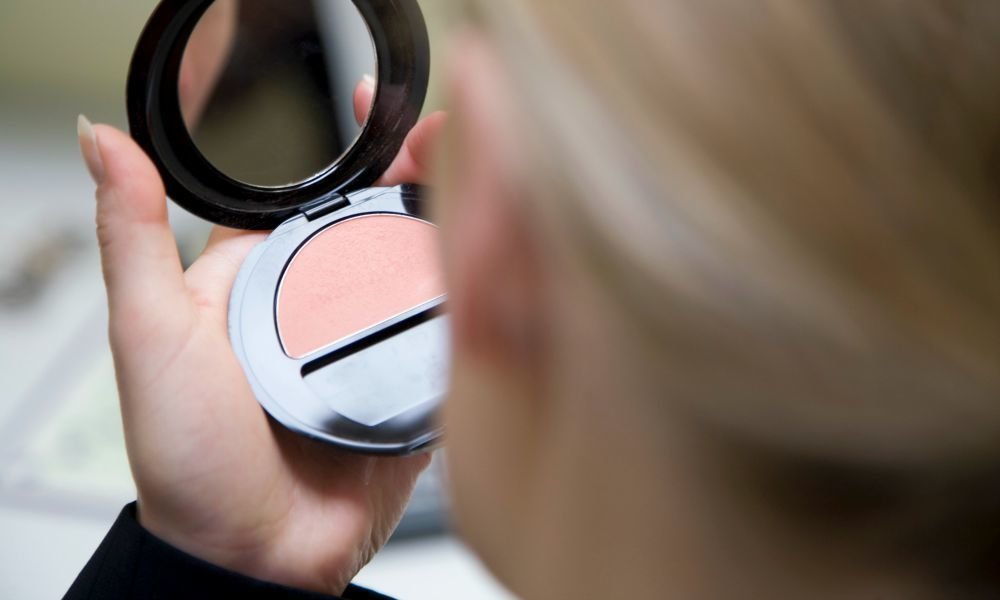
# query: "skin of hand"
215,477
206,56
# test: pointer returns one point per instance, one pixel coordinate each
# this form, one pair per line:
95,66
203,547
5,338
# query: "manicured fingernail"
369,81
91,149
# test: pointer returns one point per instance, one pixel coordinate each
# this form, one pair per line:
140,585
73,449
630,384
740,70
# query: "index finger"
413,163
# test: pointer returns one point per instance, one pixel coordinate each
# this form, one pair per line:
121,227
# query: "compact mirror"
270,90
250,111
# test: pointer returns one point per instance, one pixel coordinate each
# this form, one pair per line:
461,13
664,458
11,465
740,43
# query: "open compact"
256,115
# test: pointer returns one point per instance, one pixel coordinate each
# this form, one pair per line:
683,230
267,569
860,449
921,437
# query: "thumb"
142,268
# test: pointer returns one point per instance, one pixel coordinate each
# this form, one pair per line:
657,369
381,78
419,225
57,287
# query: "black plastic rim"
402,50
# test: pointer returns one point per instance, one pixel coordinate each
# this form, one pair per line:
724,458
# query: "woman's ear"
492,258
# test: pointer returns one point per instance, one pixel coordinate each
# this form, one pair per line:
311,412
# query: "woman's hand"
214,477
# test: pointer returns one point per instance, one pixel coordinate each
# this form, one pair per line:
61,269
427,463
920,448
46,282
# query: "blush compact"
257,115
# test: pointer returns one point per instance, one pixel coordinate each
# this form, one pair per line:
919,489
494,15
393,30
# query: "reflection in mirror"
272,90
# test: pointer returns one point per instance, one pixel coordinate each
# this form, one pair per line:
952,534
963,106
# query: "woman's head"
726,279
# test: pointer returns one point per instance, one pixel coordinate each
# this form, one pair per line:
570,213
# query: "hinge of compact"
325,206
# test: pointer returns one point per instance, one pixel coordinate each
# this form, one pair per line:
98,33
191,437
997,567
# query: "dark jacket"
134,564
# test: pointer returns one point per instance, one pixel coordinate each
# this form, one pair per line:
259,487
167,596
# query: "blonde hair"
797,205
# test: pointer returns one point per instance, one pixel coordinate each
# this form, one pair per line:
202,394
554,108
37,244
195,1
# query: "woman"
725,283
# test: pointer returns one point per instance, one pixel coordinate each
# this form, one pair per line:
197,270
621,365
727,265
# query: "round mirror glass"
274,92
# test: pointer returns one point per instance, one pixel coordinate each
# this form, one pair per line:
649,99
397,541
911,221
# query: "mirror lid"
402,53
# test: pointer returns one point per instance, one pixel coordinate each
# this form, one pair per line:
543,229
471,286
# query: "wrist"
261,556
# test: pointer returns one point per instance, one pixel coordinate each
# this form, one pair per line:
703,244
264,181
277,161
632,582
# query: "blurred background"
63,472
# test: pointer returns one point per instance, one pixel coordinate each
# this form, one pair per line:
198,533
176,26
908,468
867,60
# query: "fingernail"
369,81
91,149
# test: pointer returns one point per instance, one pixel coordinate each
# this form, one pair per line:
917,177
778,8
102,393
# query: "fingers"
210,279
364,95
412,165
222,235
205,58
414,161
142,269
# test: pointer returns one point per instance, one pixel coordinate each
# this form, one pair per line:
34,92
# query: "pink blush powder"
355,275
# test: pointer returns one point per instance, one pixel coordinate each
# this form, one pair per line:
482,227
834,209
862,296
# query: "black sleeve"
132,563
